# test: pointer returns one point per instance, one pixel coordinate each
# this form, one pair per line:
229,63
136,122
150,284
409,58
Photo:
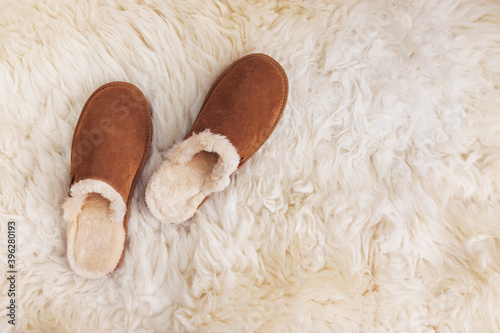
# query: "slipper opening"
194,169
96,235
95,241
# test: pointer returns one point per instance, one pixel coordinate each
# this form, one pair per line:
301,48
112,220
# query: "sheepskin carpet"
374,206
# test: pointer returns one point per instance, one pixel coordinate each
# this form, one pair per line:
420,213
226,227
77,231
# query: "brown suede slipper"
110,147
238,115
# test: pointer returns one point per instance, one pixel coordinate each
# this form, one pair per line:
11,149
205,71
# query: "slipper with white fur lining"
110,147
239,113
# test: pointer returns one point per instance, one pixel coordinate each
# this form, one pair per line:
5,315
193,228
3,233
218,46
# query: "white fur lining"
168,195
79,191
227,163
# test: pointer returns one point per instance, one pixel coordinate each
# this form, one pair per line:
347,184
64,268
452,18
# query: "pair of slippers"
111,144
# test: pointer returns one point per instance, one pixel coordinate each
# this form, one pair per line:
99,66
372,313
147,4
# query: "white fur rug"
374,206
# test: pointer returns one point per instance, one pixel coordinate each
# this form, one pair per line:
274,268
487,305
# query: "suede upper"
112,138
245,103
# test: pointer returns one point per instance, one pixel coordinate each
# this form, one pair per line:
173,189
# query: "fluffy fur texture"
373,207
95,235
80,190
95,241
182,182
